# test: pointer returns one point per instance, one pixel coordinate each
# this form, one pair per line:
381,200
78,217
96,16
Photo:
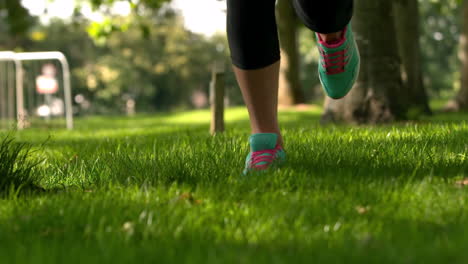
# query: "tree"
15,21
462,98
406,14
161,70
376,96
100,31
440,39
290,91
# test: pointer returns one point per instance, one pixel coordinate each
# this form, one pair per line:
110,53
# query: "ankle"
279,140
331,37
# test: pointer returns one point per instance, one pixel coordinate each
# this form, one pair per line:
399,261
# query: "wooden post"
3,89
11,91
217,99
20,111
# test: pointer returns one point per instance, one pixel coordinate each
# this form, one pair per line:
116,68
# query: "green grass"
16,166
160,189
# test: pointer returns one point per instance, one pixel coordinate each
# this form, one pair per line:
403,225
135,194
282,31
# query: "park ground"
160,189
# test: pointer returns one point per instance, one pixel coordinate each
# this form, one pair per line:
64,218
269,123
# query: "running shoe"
339,64
265,153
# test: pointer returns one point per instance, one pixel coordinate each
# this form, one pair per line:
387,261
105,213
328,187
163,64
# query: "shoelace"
334,62
267,156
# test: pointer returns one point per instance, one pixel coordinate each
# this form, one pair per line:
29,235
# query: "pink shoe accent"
267,156
334,62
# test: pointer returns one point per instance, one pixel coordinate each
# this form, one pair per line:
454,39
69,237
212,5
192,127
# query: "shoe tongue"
334,42
332,45
263,141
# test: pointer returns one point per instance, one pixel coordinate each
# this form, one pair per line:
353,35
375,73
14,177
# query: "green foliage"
71,39
440,35
100,31
160,70
152,4
16,165
160,67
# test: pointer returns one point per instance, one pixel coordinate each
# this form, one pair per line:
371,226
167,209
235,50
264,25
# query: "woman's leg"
255,53
325,17
253,40
328,19
260,92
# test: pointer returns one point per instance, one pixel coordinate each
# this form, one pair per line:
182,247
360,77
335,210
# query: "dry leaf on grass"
189,197
362,209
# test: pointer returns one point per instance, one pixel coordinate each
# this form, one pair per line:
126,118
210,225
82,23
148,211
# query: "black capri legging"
252,31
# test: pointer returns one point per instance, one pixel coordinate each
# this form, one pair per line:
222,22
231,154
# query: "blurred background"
141,56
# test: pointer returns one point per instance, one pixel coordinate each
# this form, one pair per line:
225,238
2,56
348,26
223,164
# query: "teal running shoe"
339,64
265,153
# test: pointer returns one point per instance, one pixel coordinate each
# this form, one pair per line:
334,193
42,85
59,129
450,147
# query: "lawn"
160,189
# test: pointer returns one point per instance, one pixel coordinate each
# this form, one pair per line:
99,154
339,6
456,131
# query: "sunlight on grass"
204,116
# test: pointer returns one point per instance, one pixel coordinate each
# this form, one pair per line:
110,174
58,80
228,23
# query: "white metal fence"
20,99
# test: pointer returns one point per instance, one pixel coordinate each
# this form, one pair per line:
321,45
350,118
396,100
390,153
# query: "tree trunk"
407,29
290,90
462,97
377,95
